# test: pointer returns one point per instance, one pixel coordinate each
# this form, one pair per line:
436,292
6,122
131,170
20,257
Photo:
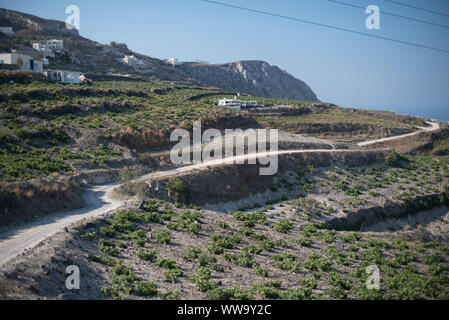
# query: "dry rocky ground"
285,248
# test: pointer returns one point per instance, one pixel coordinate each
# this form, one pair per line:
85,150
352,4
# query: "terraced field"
219,232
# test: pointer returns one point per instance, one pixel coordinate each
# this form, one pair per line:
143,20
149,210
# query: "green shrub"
172,274
204,259
391,158
180,189
108,247
287,262
89,236
333,253
108,232
304,241
269,290
202,279
166,263
111,291
138,236
146,255
252,248
316,262
328,236
223,225
309,206
283,226
243,259
337,281
229,294
254,217
434,258
163,236
405,257
145,289
169,295
296,294
218,243
261,271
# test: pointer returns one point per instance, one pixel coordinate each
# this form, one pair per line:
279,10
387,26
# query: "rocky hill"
256,78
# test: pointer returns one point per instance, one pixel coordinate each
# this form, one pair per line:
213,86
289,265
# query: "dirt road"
99,201
433,127
15,240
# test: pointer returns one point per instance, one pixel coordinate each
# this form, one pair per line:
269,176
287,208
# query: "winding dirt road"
433,127
99,201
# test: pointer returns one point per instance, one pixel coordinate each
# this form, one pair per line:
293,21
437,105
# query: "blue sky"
347,69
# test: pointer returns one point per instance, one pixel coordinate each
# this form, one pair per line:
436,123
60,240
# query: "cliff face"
256,78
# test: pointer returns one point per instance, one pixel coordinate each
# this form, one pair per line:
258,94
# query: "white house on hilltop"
132,60
236,104
173,61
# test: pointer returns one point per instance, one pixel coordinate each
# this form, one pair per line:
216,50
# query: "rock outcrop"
257,78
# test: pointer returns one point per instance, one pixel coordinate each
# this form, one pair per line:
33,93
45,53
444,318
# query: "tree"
19,63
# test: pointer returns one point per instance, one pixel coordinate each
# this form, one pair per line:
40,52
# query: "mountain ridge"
252,77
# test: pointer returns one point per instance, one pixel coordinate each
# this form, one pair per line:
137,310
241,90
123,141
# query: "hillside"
87,180
62,135
256,78
290,236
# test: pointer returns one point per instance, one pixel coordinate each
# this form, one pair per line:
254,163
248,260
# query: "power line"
417,8
391,14
326,26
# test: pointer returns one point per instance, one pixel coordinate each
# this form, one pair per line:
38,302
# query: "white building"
229,103
55,44
173,61
7,30
236,104
248,103
23,62
61,76
43,49
132,60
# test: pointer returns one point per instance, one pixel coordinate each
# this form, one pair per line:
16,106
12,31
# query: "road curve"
14,241
99,201
433,127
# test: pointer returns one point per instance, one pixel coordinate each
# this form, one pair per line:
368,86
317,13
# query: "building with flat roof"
132,60
43,49
236,103
22,61
62,76
7,30
55,44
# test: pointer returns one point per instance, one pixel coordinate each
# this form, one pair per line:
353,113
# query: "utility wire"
418,8
391,14
326,26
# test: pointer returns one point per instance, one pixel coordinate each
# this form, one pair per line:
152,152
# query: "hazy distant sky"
347,69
